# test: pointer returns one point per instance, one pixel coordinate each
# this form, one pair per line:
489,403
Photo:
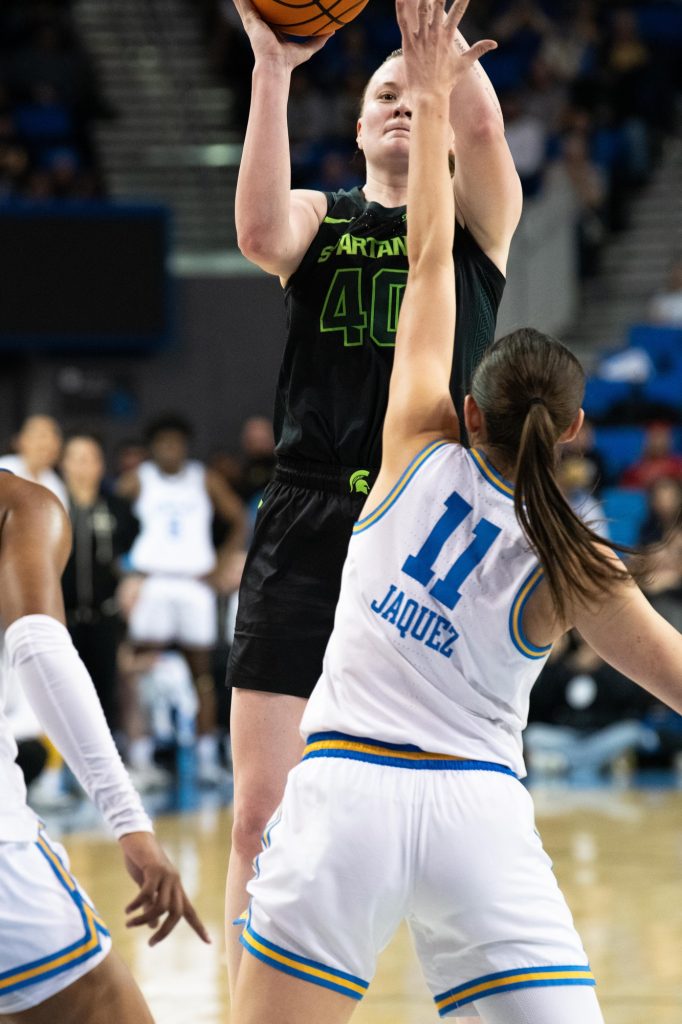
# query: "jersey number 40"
343,309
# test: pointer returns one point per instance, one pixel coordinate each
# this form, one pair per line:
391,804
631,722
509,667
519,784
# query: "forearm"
264,182
473,101
62,695
430,199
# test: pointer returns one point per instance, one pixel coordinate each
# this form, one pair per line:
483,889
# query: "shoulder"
27,505
317,203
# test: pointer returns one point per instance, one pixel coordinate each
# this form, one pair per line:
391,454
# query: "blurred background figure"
658,459
664,500
104,529
38,446
666,306
175,499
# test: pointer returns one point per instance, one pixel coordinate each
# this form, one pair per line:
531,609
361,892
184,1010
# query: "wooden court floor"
617,855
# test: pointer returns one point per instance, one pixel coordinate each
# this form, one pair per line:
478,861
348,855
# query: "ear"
358,133
570,432
473,417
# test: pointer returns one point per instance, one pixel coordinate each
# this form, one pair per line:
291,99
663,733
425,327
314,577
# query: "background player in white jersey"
55,958
175,499
444,621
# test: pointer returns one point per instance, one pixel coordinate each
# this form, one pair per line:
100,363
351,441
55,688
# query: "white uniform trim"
50,933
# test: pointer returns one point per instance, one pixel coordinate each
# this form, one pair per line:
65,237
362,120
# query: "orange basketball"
308,17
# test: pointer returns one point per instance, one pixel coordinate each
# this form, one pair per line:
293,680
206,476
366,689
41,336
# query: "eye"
387,95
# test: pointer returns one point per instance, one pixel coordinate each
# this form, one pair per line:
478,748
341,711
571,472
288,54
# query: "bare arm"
275,225
630,635
34,548
229,507
419,405
487,187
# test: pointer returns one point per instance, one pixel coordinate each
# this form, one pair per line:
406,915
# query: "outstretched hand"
268,42
432,61
161,893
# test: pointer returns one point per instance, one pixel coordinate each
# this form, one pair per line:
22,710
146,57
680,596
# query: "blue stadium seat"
620,447
625,511
665,389
664,344
602,395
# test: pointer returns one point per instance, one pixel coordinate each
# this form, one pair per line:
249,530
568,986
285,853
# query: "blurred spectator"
584,446
175,499
659,459
584,715
577,479
38,447
129,454
666,306
590,192
104,529
665,510
664,585
257,444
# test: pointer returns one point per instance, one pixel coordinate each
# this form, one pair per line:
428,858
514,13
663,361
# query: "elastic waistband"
318,476
337,744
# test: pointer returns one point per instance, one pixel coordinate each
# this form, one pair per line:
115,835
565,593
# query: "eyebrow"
387,85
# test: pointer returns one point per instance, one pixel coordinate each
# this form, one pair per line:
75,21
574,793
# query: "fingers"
479,50
173,902
455,14
194,921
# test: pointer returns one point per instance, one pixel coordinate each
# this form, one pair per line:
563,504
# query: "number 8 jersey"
342,306
428,646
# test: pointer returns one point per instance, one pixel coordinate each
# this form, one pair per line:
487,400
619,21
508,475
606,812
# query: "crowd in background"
584,714
49,98
585,87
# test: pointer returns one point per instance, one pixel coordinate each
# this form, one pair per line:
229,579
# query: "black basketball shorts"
292,576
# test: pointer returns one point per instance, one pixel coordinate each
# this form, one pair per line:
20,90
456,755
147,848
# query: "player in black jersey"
341,258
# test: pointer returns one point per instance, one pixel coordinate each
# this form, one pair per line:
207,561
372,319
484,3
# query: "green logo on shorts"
358,482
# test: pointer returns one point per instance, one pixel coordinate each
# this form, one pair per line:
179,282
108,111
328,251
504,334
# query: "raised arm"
275,225
420,405
487,187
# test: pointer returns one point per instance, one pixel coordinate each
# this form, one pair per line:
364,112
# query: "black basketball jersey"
342,307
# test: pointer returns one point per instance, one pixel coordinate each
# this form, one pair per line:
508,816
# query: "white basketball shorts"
370,833
50,933
174,610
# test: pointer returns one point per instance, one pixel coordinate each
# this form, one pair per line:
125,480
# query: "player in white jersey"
465,566
56,962
175,499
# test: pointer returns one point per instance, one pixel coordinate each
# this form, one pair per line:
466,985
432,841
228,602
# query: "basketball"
308,17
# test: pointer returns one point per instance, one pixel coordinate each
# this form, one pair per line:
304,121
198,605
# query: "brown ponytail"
529,387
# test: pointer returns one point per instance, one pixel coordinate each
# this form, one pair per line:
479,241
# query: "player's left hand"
161,893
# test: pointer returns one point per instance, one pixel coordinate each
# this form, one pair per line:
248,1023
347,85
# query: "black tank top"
342,307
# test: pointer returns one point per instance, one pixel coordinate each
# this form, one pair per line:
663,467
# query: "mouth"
397,128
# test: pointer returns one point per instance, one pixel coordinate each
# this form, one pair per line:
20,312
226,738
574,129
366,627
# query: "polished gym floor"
617,853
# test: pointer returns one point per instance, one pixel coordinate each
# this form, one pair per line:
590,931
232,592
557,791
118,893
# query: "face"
40,442
169,450
83,463
383,132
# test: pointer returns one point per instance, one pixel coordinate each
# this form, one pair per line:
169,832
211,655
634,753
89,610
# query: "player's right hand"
268,43
161,894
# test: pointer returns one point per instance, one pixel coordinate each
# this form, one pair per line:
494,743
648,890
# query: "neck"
84,494
496,460
388,189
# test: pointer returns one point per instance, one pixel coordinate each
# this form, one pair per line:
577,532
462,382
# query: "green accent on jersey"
370,248
260,503
338,220
358,482
343,309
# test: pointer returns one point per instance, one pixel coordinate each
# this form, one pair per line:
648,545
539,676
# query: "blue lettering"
418,633
432,640
406,616
391,614
446,648
379,607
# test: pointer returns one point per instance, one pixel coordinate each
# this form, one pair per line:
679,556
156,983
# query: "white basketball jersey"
428,645
18,823
176,515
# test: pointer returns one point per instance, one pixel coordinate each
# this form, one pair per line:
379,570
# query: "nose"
402,109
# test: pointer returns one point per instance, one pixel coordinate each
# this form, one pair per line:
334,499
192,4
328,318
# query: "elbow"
487,130
251,244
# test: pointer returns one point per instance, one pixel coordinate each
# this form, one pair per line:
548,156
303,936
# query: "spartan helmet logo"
358,482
